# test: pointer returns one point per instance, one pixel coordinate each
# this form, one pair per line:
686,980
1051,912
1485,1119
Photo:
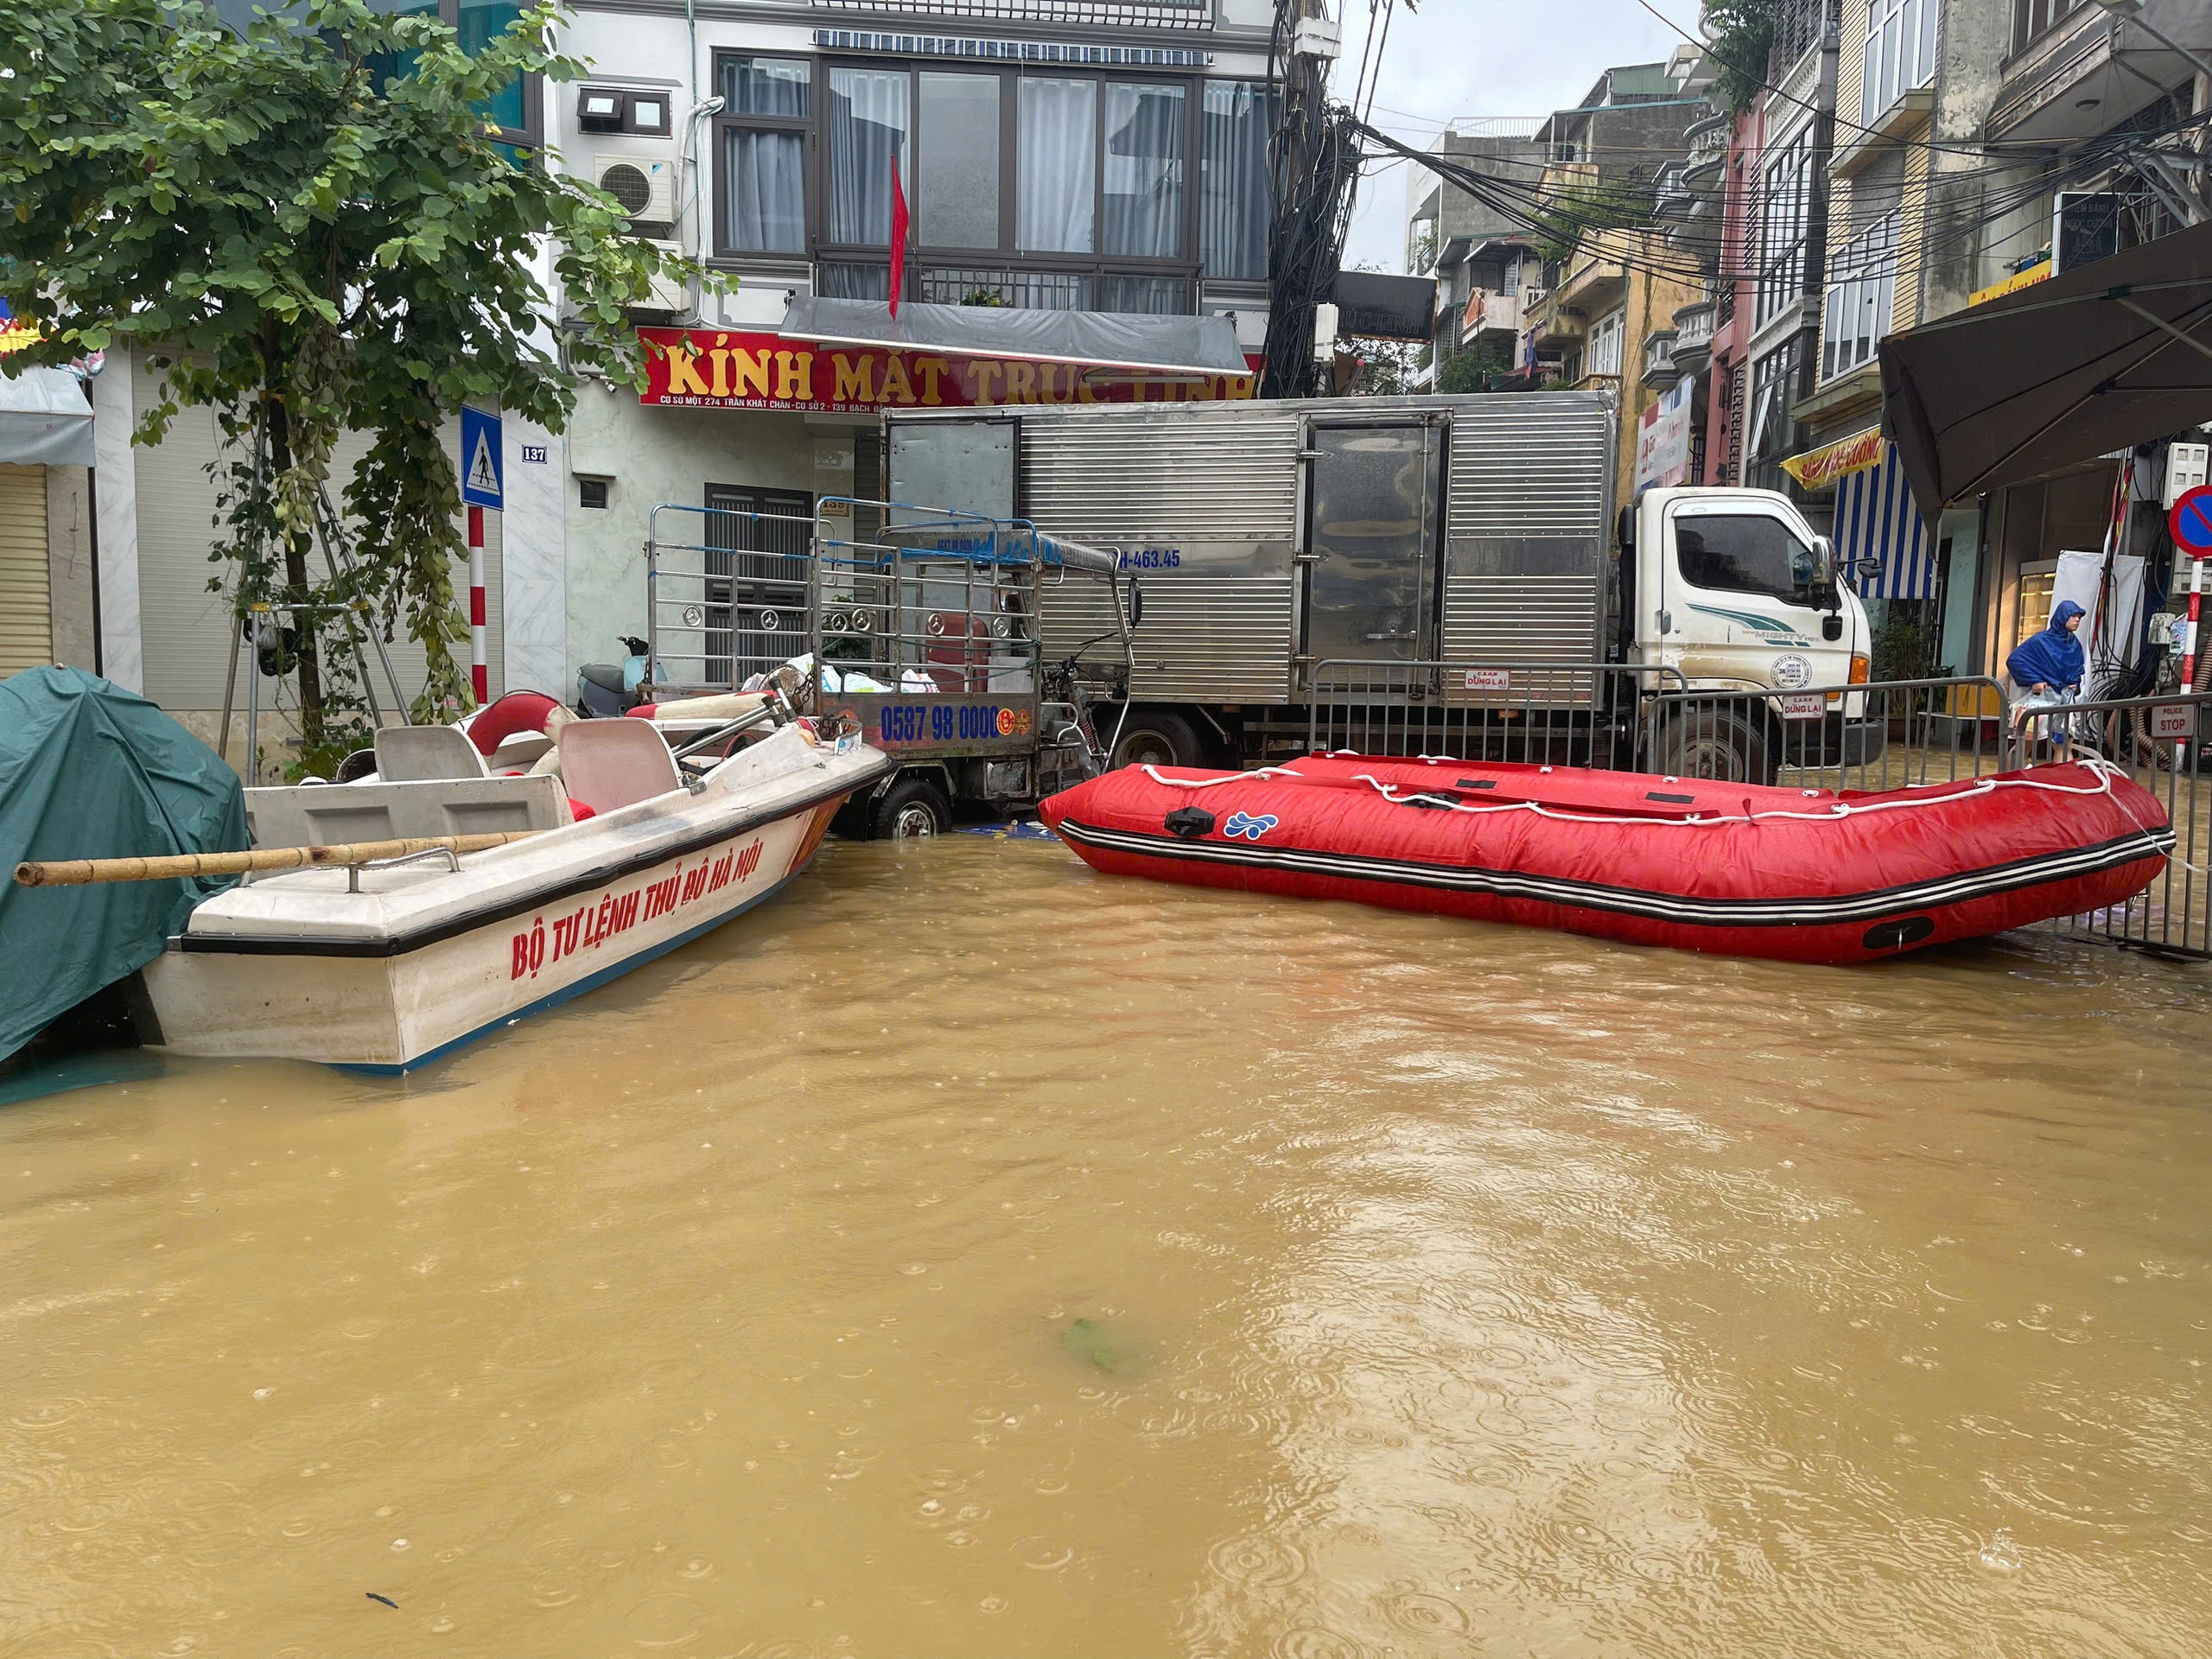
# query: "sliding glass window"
1057,185
763,127
1037,191
1143,165
958,177
1233,187
867,130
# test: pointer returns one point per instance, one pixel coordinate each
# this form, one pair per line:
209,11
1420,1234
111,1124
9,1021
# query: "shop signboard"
1818,468
723,368
1662,439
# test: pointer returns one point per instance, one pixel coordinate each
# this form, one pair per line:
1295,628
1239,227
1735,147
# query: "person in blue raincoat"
2047,668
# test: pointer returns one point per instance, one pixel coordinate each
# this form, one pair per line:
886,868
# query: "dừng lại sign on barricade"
722,368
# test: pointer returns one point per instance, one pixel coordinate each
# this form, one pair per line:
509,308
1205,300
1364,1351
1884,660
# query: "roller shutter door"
26,617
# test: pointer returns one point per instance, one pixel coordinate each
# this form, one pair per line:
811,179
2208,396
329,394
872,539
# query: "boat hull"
1727,868
393,999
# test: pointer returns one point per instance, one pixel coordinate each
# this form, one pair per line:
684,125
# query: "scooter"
605,689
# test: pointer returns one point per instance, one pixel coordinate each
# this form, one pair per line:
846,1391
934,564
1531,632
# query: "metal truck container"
1466,541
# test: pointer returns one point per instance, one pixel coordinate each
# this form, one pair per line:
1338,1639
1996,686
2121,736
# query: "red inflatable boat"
1807,875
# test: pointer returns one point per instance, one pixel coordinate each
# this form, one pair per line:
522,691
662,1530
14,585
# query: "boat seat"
335,814
610,764
422,754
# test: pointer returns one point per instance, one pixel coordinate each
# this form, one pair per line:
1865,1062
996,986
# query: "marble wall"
533,573
116,477
650,455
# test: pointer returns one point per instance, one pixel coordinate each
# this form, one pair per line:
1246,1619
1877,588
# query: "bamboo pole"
77,873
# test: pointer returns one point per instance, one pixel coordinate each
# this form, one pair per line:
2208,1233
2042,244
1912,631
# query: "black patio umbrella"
2116,353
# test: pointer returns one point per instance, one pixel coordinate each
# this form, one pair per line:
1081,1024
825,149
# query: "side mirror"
1624,529
1824,557
1136,603
1831,625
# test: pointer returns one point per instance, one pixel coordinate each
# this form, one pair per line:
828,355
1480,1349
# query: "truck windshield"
1746,553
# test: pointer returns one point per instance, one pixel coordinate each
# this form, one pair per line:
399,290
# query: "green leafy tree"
1477,368
1739,36
1579,210
310,230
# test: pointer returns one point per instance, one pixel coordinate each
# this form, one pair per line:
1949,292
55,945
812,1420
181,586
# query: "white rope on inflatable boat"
2103,770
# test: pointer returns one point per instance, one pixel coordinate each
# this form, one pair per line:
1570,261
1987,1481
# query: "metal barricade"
1554,713
2161,742
1885,736
934,603
726,594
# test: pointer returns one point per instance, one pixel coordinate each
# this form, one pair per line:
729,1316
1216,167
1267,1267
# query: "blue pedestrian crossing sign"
480,463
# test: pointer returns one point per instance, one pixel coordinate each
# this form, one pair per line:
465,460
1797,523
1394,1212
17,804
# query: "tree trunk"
297,587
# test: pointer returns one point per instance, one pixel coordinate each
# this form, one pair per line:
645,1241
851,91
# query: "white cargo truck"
1468,545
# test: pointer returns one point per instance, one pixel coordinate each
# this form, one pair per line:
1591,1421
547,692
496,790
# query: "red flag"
897,233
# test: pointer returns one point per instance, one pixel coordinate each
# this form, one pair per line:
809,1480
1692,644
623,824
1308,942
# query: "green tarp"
88,770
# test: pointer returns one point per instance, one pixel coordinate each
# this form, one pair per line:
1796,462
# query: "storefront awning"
1818,468
2117,353
44,419
1157,344
1875,519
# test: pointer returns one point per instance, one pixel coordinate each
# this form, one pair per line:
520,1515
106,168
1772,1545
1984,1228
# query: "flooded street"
970,1255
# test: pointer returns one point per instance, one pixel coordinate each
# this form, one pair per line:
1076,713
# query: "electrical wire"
1529,207
1769,87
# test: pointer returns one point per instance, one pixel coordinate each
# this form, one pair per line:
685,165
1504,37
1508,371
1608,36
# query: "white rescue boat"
384,967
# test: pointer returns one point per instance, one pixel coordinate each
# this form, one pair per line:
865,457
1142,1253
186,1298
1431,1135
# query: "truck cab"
1732,590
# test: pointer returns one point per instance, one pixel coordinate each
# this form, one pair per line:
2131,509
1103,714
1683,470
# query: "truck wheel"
1716,744
912,807
1153,737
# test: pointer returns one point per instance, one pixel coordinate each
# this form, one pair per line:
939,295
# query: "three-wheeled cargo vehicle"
918,623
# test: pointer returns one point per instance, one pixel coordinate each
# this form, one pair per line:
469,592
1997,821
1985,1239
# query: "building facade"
1980,145
1065,156
1474,250
1611,284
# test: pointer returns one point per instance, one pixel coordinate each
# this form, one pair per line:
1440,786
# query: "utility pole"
1313,164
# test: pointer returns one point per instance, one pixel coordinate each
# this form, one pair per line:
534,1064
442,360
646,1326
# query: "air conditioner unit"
668,293
641,177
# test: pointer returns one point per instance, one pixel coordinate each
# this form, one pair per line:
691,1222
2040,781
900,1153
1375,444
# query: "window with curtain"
1605,350
866,129
1233,180
1862,272
1153,297
1773,433
1056,180
1143,213
957,161
1862,287
1784,207
844,281
1900,53
765,103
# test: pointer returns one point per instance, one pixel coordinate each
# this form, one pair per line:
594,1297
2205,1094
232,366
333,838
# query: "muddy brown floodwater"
970,1255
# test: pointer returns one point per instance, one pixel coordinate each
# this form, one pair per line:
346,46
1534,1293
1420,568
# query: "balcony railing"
1659,368
1693,327
1489,309
1707,161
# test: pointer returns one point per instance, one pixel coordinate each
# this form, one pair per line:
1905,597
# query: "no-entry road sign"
2191,522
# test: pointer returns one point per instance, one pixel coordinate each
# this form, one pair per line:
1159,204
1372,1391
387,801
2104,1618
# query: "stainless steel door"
1372,532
